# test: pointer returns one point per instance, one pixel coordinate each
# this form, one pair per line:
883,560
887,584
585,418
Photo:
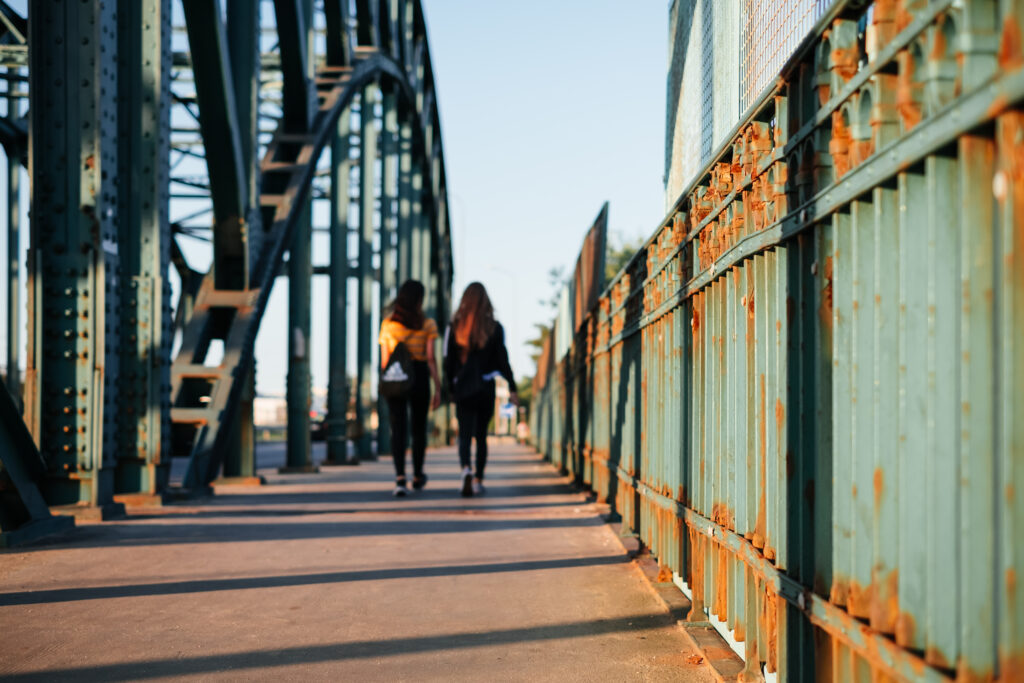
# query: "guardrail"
806,392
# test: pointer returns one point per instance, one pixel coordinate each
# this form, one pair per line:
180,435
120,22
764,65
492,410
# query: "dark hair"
407,308
473,321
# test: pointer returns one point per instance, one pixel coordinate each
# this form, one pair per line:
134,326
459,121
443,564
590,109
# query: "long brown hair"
407,308
473,321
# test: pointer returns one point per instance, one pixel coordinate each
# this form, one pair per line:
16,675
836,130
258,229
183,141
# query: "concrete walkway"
327,577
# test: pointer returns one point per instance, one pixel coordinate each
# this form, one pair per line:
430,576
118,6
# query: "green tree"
620,251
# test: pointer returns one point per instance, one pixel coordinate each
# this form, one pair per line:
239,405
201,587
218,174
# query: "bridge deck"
326,576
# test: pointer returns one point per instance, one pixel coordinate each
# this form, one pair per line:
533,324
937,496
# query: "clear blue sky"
548,109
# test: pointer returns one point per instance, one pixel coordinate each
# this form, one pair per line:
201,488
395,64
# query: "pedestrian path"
327,577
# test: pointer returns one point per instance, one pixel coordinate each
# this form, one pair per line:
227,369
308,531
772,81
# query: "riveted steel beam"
366,24
71,376
144,247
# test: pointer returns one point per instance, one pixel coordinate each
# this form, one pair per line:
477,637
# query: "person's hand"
435,401
514,398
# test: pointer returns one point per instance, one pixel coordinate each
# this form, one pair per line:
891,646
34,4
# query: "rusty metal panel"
813,369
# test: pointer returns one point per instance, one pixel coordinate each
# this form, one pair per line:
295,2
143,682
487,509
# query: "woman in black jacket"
474,354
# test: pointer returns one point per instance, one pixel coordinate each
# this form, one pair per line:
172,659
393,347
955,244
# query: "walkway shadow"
339,652
213,585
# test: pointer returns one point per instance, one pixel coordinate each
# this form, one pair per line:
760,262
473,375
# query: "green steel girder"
285,185
339,39
294,30
368,146
218,122
338,384
24,515
366,24
71,385
144,31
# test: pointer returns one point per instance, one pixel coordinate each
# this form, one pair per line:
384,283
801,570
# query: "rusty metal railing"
806,392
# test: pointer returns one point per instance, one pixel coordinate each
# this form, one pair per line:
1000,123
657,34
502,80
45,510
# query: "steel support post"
365,334
243,27
144,35
13,378
71,387
300,274
405,201
338,384
388,189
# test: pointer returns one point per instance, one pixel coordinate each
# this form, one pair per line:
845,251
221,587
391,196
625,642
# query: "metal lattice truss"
229,119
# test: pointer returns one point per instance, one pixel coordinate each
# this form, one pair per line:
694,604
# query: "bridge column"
365,334
338,384
71,387
243,27
300,274
14,159
144,245
388,276
405,200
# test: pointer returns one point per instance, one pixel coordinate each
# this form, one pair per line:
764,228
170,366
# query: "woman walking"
474,354
408,325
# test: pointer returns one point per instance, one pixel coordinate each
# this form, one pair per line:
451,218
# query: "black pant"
417,402
474,415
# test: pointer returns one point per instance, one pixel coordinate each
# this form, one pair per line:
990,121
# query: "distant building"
722,55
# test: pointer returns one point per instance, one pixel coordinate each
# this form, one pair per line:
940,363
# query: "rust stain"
906,628
1011,584
759,524
840,591
935,657
859,601
780,414
964,674
878,481
90,162
1011,667
1011,493
884,596
1010,54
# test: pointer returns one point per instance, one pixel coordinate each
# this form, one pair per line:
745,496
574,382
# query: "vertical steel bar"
243,29
300,262
405,200
338,382
73,365
942,477
13,378
388,278
365,333
977,378
913,417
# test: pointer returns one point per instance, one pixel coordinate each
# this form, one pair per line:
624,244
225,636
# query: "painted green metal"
72,369
387,285
219,126
144,31
243,22
338,381
365,337
832,307
15,157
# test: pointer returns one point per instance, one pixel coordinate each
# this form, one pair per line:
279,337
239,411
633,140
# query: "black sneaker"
400,490
467,483
419,482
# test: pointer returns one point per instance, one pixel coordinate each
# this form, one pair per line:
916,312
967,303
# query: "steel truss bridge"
248,115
